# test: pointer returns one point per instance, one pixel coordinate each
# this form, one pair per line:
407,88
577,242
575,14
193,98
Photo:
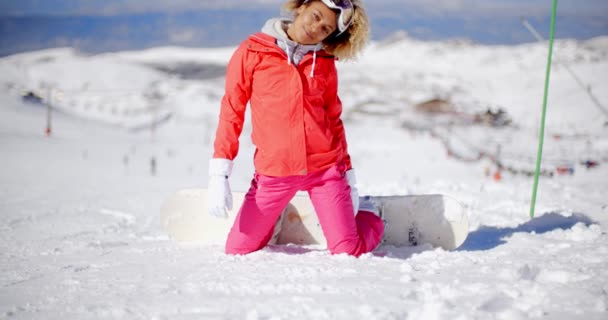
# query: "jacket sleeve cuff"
220,167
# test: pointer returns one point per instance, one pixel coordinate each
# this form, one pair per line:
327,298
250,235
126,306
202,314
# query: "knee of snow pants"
344,233
254,224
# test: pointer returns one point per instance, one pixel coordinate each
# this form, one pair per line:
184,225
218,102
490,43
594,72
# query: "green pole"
544,113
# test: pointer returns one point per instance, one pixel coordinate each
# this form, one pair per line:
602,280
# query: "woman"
287,74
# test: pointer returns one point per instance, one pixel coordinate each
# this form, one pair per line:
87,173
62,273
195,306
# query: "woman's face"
314,22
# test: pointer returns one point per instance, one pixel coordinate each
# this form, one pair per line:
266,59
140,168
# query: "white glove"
219,196
354,193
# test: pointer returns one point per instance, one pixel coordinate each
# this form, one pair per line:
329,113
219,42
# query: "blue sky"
109,25
433,7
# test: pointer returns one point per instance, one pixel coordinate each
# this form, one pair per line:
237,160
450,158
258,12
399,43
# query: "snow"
80,232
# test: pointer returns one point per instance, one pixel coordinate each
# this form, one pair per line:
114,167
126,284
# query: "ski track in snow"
80,236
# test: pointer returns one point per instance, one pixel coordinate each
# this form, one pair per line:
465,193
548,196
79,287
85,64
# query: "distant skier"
287,74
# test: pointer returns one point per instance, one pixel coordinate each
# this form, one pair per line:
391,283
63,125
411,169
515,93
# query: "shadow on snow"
486,238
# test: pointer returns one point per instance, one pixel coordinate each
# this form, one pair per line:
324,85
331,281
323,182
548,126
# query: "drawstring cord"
314,59
314,62
288,54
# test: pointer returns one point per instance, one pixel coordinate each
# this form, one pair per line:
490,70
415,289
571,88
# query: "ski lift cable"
578,80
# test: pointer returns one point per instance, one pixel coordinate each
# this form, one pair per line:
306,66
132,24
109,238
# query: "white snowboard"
435,219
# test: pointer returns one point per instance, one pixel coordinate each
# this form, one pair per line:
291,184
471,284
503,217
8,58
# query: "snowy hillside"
79,210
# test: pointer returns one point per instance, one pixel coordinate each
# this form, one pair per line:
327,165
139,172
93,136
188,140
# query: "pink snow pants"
330,195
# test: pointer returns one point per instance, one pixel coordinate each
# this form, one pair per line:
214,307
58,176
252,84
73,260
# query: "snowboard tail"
410,220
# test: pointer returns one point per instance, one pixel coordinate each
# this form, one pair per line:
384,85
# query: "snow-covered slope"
80,232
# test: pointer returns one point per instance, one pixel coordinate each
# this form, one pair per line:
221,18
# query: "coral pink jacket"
295,113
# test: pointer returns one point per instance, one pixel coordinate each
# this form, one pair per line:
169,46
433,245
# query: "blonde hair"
350,43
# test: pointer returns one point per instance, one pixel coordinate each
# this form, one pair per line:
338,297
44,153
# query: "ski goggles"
347,12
